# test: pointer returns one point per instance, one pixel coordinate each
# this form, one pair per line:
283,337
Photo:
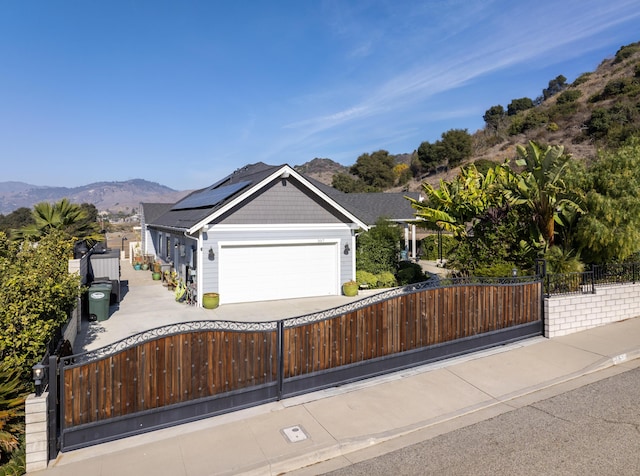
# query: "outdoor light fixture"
346,249
212,255
38,376
514,272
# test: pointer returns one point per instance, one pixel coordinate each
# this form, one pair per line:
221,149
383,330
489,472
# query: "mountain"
106,196
322,170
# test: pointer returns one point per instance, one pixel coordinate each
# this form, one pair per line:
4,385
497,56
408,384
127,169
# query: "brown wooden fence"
165,371
408,322
192,370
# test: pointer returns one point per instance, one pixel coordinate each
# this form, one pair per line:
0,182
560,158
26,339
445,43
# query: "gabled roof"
184,216
194,210
201,206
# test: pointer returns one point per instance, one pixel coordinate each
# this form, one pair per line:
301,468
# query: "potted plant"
171,278
350,288
210,300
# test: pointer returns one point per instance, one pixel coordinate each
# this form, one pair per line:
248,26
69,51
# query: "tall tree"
430,156
517,105
456,145
375,169
16,219
556,85
494,117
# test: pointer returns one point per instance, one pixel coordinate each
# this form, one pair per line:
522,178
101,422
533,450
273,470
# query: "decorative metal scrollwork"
173,329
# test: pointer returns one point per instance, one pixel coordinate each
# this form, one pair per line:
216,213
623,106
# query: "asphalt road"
592,430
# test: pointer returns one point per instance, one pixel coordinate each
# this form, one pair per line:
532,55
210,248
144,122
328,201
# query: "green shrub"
376,281
367,278
583,78
12,396
409,273
377,249
570,95
563,261
386,280
497,270
625,52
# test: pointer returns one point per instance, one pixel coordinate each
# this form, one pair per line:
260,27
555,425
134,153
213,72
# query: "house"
263,233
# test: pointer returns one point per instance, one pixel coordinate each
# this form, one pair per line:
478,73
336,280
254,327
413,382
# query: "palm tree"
541,188
65,216
12,395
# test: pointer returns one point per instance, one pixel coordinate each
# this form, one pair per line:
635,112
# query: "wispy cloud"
462,59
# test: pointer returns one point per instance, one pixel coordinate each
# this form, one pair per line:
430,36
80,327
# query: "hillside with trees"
600,110
554,177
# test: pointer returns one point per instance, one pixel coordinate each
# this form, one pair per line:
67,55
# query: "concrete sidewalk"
325,430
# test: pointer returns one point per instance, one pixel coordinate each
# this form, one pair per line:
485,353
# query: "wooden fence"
189,368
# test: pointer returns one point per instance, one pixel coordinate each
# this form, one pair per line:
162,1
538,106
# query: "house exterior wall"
175,249
283,212
282,202
568,314
147,243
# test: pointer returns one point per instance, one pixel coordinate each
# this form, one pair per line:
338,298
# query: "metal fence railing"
586,282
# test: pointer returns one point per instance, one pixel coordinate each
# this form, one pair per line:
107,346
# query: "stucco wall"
568,314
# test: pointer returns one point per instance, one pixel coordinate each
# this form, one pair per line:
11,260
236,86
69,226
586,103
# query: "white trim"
332,242
200,268
329,200
281,227
275,176
306,241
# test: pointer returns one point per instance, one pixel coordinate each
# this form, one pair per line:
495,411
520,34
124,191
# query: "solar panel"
209,197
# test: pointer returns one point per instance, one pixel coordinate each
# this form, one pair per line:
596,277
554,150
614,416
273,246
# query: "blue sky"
182,93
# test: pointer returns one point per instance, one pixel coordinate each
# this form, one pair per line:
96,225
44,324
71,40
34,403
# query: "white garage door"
281,271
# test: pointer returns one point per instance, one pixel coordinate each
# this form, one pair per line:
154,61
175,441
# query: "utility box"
99,297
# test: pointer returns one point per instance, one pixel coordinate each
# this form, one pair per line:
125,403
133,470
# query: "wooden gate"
194,370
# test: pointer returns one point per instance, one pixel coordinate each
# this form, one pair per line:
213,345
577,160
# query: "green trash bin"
99,297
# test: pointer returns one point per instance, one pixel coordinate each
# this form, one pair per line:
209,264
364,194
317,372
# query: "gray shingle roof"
154,210
368,207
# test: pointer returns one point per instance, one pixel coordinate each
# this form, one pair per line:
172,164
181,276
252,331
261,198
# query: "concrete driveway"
146,304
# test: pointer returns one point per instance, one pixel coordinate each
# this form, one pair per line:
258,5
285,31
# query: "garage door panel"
285,271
